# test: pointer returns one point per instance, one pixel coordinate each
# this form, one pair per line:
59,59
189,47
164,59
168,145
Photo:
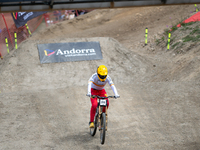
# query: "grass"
158,41
187,33
186,28
176,44
187,24
174,28
195,31
189,38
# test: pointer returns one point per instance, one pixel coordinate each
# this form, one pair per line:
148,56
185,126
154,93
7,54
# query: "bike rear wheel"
93,130
103,128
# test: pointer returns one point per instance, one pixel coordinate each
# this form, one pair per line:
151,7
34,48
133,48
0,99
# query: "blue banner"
21,18
75,51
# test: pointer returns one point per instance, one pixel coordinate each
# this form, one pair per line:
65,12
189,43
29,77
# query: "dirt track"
43,106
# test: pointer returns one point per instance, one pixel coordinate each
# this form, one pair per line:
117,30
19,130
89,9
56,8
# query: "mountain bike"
101,118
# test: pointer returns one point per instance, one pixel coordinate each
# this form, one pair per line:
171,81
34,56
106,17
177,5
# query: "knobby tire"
103,128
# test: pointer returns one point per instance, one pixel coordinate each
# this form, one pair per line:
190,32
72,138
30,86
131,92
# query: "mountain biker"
96,86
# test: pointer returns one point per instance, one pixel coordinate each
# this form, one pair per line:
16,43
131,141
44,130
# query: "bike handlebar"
93,96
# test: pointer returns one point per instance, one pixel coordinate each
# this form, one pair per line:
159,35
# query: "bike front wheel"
103,128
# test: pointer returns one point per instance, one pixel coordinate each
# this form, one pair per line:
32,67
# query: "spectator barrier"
57,16
11,36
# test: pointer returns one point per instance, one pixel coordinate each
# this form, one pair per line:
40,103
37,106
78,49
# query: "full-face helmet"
102,72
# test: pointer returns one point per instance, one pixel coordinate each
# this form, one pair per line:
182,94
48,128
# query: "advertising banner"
74,51
21,18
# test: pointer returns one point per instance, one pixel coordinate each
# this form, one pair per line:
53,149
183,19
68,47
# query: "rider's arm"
110,82
90,83
89,87
114,90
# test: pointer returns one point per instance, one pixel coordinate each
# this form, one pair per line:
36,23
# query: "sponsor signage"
21,18
63,52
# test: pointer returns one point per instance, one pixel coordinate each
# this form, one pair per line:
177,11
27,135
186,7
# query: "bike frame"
100,114
101,118
101,110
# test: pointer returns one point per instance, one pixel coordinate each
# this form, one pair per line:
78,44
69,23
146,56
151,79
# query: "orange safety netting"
193,18
8,28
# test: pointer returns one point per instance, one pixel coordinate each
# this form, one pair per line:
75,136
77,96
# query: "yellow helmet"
102,72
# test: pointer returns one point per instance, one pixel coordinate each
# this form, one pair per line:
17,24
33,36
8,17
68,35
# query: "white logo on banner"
21,13
28,15
76,52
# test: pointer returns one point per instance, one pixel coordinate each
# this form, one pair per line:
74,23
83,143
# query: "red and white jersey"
95,83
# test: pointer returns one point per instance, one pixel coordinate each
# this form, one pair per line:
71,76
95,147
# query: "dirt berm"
44,107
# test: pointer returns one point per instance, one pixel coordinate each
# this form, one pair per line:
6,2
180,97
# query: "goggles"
102,77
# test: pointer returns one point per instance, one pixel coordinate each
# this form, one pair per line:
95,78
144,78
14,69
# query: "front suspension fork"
99,118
